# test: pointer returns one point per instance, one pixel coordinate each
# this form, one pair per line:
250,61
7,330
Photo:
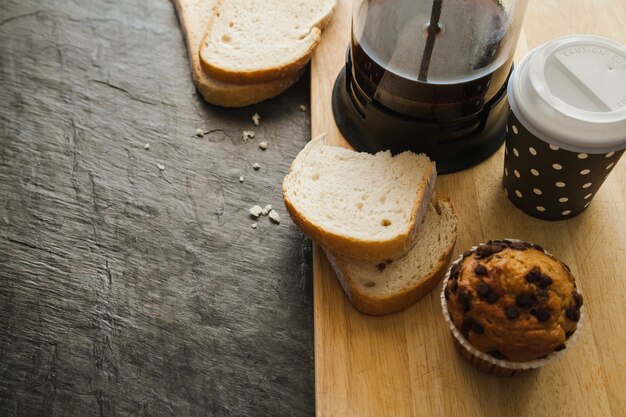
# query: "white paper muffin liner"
508,365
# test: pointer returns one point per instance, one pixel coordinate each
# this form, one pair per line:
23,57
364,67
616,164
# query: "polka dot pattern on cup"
546,181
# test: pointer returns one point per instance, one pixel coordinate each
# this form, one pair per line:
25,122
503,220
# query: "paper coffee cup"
566,129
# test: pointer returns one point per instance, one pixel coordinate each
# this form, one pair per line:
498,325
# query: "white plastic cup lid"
571,93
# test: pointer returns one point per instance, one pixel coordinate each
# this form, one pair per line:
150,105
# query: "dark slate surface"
125,290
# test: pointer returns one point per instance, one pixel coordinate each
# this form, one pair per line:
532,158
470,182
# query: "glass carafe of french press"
428,76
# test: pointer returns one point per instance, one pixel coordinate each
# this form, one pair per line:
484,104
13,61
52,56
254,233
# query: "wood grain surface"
405,364
126,290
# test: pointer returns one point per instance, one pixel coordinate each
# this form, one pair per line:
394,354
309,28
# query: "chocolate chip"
572,313
467,253
539,248
560,347
511,312
545,281
496,354
492,297
483,250
534,275
478,328
446,293
578,299
480,270
388,261
454,285
454,272
543,314
524,300
486,250
464,299
482,289
466,326
568,334
381,266
520,245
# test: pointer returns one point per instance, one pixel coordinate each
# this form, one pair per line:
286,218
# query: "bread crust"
218,92
368,249
373,305
262,75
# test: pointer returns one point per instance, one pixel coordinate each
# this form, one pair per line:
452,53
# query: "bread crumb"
266,209
247,135
302,107
263,145
256,166
254,225
161,167
274,216
241,179
256,119
255,211
146,146
199,133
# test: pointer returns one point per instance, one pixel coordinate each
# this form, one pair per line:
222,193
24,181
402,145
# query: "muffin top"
513,301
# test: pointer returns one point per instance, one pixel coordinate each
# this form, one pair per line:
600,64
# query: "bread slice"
384,286
251,41
357,204
194,16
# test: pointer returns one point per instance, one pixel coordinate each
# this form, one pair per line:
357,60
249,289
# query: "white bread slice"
357,204
383,287
262,40
194,16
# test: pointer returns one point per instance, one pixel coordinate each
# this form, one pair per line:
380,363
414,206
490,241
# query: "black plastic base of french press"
473,139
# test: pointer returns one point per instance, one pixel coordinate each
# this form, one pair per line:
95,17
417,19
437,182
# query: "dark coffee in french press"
428,76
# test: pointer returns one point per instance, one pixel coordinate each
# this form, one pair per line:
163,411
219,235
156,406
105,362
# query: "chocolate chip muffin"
513,301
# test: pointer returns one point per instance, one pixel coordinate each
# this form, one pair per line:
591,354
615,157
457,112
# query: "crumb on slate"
263,145
266,210
161,167
274,216
302,107
256,166
256,119
247,135
199,133
254,225
255,211
146,146
241,179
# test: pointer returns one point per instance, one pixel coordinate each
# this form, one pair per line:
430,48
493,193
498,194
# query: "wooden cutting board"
405,364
